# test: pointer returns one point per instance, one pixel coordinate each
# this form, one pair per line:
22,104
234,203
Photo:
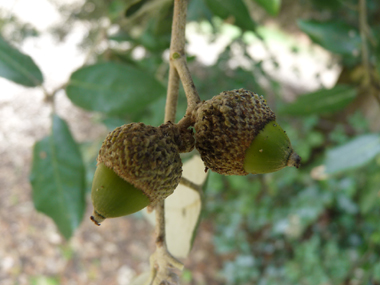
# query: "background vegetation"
312,226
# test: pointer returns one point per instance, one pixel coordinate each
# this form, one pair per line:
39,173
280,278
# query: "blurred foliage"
312,226
15,29
18,67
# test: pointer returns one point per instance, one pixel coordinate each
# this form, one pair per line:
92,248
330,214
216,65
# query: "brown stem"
178,64
177,42
191,185
160,224
172,95
162,262
187,82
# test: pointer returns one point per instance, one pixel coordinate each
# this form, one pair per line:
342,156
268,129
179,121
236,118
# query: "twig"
172,95
187,82
177,44
162,262
178,65
49,97
191,185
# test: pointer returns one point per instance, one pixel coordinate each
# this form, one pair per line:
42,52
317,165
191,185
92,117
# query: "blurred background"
72,70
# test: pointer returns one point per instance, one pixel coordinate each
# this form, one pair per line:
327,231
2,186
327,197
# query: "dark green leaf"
116,9
320,102
113,122
113,88
327,4
271,6
18,67
337,37
120,36
234,10
353,154
136,6
198,11
58,178
156,37
369,199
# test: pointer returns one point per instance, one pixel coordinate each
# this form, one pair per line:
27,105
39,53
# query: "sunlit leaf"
58,178
18,67
334,36
142,279
113,88
353,154
182,210
320,102
271,6
234,10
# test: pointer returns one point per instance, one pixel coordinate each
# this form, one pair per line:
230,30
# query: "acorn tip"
294,160
97,218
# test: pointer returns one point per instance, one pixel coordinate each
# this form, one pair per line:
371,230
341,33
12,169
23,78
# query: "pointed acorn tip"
97,218
294,160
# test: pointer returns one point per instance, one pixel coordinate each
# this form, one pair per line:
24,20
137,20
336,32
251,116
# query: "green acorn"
236,133
138,165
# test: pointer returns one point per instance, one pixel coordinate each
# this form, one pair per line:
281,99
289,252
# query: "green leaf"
271,6
376,272
320,102
113,122
18,67
335,36
116,9
353,154
327,4
235,10
58,178
113,88
369,200
198,11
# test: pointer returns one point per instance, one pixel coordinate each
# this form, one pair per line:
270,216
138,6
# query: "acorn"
236,133
138,165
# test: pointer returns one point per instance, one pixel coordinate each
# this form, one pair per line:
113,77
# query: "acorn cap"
225,127
145,157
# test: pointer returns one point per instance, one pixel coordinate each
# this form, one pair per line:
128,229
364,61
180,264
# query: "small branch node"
191,185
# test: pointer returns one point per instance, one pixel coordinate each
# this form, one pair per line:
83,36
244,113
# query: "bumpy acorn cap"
144,156
227,125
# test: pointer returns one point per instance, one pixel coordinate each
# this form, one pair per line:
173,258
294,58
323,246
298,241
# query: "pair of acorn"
236,133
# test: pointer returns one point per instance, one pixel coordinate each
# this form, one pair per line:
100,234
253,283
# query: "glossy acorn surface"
270,151
114,197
